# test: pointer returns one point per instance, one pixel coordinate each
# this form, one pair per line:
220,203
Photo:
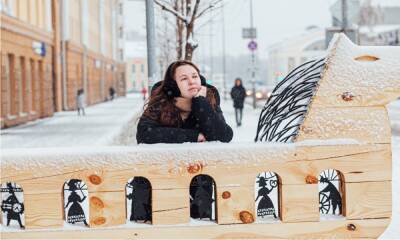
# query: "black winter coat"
202,119
238,94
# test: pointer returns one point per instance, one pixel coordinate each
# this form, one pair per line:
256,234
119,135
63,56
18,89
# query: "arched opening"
331,189
202,198
12,205
266,196
76,203
138,200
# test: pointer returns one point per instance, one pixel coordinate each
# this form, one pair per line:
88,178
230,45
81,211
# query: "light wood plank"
364,124
107,209
43,210
368,200
299,203
365,229
240,199
374,83
358,163
328,96
170,206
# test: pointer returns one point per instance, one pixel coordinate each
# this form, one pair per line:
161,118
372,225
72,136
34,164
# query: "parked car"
262,92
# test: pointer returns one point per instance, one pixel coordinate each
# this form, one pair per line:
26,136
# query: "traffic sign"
249,33
252,45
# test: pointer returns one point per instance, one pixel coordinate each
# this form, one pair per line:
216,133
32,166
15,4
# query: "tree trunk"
179,32
189,48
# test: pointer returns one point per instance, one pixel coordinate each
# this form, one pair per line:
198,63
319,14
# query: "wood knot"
306,129
366,58
351,227
194,168
311,179
99,221
95,179
246,217
96,202
226,195
347,96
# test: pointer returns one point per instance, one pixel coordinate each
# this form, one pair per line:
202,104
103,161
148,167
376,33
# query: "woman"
183,109
238,94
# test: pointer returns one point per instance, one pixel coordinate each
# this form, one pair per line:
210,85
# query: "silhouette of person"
141,199
12,207
334,195
265,206
201,193
75,212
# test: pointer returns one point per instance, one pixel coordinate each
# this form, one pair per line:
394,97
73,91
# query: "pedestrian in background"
111,91
144,92
80,102
238,94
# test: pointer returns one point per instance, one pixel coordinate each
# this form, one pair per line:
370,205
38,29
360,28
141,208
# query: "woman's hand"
201,138
202,92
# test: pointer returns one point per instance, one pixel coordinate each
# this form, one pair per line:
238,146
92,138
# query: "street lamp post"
223,52
253,73
151,44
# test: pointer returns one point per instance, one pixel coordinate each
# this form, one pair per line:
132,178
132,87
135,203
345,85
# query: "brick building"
52,48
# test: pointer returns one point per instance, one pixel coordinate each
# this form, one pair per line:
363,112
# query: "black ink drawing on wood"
138,194
266,195
12,204
330,199
202,198
75,194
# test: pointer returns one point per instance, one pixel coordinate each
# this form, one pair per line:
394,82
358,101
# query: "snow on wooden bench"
344,136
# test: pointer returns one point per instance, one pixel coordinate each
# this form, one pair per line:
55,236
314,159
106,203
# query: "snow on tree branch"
171,10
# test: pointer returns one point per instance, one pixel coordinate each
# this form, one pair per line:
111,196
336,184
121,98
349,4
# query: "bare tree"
165,30
186,13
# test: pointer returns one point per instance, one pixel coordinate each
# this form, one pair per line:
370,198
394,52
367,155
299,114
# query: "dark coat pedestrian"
238,94
199,117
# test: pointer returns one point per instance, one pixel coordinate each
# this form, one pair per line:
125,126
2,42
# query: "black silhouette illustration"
11,206
75,212
330,196
140,199
265,205
285,110
202,197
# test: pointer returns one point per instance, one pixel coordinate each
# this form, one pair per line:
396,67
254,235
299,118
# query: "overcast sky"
275,20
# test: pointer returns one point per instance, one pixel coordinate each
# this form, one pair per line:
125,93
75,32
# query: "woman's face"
237,82
188,81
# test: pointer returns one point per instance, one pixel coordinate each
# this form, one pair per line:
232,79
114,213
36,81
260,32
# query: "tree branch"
208,8
168,9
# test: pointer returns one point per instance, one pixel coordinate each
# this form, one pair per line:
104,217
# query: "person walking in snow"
80,102
238,94
144,92
183,108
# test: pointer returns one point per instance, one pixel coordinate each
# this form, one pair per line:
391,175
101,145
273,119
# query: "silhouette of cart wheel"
324,204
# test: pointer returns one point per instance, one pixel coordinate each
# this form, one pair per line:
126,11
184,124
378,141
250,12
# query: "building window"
121,54
142,68
133,68
121,32
121,9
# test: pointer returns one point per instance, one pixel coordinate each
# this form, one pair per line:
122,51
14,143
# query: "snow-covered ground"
101,126
114,123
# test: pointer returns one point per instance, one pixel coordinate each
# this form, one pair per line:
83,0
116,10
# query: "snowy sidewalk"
102,125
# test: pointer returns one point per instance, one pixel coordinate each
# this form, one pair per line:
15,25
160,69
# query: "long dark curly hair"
161,107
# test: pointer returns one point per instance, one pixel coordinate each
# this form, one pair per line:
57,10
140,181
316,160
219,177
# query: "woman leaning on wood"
183,108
